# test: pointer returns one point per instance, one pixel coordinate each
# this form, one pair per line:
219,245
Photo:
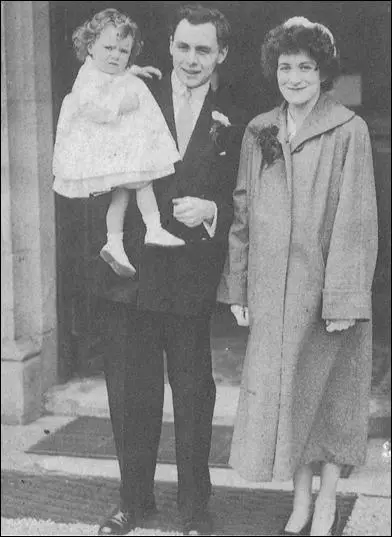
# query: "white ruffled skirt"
92,158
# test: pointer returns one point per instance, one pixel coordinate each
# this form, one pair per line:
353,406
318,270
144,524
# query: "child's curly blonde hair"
84,36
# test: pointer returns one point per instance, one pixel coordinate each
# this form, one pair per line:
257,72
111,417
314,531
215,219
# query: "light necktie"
184,122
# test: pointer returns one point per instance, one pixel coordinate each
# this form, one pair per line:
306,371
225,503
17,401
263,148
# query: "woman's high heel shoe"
305,531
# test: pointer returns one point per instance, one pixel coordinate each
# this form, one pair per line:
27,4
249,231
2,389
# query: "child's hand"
146,72
241,313
338,325
129,103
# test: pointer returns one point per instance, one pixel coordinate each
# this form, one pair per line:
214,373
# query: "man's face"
110,53
195,52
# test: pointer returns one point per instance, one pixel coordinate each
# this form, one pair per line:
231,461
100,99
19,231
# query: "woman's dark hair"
198,14
84,36
314,41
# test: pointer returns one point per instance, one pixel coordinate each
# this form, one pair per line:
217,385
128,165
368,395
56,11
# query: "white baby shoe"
114,254
161,237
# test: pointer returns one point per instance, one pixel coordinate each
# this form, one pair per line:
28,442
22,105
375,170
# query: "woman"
301,259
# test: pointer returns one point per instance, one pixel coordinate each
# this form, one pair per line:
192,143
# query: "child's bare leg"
148,208
116,211
113,252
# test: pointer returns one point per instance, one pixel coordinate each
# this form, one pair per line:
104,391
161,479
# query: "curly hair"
86,34
197,14
314,40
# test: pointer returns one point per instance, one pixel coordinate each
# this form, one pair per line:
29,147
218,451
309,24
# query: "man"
168,308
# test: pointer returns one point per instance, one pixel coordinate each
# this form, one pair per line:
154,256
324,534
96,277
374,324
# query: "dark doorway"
362,31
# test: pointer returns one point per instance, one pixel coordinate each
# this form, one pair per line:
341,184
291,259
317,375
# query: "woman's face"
298,78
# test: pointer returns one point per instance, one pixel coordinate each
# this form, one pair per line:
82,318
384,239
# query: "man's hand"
338,325
146,72
241,313
192,212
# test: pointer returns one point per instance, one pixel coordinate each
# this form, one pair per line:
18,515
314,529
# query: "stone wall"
28,282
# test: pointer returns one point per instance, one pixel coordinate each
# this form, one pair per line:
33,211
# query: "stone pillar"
28,268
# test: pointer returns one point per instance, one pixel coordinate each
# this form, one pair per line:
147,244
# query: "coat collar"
326,115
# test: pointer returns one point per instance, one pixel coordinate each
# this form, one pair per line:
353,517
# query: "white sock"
148,208
115,238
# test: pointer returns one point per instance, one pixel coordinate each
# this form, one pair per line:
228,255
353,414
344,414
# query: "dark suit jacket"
181,280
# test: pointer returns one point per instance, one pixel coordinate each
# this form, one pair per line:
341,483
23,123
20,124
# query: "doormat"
91,437
81,500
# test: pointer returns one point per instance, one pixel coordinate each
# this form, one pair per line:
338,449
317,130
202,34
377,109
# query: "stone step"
88,397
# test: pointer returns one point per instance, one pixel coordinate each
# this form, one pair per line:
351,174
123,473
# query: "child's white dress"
97,148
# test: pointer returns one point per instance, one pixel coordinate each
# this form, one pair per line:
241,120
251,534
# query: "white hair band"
306,23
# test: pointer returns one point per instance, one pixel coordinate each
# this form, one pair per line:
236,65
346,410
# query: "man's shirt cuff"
211,228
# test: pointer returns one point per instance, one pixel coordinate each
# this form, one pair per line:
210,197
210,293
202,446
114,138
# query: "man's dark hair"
198,14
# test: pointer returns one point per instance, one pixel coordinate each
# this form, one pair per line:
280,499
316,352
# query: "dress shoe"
120,522
200,524
303,532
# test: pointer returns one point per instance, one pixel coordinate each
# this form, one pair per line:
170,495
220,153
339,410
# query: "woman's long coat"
303,249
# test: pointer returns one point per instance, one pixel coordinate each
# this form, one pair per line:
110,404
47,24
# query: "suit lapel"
199,142
202,127
165,101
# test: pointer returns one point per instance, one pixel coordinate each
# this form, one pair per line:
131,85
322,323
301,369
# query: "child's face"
111,54
298,78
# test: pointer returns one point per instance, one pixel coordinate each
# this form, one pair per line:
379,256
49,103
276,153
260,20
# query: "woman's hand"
146,72
339,324
241,314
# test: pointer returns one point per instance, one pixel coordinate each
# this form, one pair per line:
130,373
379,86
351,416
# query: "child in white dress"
111,134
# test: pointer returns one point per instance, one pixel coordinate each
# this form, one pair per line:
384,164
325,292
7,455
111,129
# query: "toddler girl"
111,134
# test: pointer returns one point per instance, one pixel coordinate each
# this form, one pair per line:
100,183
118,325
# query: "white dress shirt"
196,100
197,97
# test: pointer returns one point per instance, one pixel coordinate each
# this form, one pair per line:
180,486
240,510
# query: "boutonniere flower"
217,117
268,140
219,123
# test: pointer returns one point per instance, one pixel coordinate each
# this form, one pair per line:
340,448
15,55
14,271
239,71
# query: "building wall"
28,284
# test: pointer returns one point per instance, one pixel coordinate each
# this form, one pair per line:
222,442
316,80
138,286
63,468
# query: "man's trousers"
135,344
